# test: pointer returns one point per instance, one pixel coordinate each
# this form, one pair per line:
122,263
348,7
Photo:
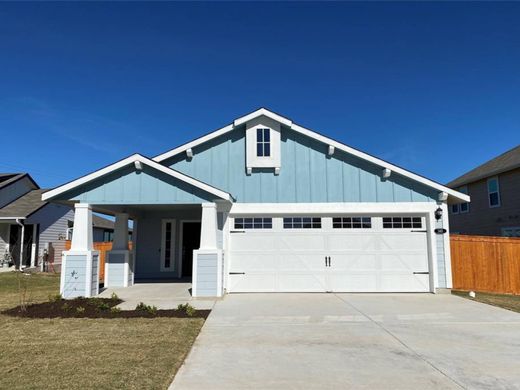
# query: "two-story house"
28,225
494,188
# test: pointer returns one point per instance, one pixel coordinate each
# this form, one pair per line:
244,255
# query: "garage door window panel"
351,223
402,223
302,223
253,223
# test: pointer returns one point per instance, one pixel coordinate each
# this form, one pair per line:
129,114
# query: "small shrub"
80,310
146,308
187,308
114,297
103,306
115,310
55,297
65,307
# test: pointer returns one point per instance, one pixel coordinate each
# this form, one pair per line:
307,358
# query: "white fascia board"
260,112
131,160
458,195
333,208
192,144
287,122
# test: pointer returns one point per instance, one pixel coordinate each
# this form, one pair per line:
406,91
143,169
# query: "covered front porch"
177,223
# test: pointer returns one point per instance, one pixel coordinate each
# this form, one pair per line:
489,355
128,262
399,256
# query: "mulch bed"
94,308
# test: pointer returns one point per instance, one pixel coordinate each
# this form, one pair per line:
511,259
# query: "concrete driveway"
356,341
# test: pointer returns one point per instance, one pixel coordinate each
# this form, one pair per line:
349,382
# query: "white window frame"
497,192
321,218
171,268
263,228
263,142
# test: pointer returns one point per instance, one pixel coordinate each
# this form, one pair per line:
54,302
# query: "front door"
190,242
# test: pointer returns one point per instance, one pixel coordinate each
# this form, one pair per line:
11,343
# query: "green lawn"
86,353
510,302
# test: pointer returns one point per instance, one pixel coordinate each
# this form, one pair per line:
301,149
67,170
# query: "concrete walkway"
354,341
162,295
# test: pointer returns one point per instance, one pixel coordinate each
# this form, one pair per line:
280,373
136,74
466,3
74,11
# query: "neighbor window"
493,192
454,208
464,207
402,222
253,223
351,223
302,223
263,142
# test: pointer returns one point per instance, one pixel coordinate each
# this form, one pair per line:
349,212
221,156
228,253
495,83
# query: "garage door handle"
237,273
421,273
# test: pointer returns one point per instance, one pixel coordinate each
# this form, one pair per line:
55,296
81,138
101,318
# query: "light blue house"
262,204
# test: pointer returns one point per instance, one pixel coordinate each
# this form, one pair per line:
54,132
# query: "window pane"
336,220
267,150
492,185
267,135
463,207
493,199
259,135
259,149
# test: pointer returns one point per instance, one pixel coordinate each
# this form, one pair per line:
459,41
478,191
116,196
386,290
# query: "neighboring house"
494,188
263,205
39,225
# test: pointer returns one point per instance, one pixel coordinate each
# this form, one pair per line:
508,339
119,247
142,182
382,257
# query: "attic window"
263,142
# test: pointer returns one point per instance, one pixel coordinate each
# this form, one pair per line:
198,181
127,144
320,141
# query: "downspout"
19,223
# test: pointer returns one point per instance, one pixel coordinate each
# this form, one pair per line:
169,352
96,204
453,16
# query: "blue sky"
433,87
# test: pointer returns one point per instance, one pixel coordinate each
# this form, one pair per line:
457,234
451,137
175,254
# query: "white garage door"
317,254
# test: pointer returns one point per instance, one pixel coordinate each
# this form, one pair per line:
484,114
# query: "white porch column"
207,261
80,264
119,261
208,229
82,235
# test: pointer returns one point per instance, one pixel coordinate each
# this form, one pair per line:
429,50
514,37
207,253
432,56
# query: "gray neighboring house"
40,225
494,188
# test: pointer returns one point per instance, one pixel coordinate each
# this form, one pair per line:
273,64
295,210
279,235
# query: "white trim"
331,208
132,160
195,142
33,244
447,245
332,143
171,268
264,112
181,233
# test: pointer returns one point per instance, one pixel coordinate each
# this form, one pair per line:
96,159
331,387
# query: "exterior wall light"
438,214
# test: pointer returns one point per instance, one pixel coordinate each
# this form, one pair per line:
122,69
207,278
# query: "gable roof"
456,196
132,160
505,162
24,206
9,178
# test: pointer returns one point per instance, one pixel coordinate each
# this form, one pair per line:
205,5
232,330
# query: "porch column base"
207,273
119,268
79,274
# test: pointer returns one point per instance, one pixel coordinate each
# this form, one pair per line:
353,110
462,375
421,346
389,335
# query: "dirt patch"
96,308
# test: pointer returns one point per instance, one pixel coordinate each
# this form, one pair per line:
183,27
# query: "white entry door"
328,256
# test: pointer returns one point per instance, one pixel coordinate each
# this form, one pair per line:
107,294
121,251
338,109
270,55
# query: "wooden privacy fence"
103,248
488,264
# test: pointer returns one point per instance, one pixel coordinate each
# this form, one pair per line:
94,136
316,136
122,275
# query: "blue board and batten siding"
129,186
307,175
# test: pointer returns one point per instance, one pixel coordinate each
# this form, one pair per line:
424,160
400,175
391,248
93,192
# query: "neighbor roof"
24,206
102,223
458,196
9,178
505,162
